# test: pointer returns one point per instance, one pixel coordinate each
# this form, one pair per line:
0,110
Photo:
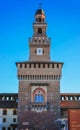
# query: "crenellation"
39,65
70,97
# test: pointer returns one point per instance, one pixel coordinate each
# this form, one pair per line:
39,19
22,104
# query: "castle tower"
39,79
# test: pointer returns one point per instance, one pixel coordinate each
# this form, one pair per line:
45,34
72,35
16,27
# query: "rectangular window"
4,119
9,128
14,128
14,119
3,128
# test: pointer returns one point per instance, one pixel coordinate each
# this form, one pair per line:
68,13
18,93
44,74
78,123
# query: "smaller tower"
40,25
39,43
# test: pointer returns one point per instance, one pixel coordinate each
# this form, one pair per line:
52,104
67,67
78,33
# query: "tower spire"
40,5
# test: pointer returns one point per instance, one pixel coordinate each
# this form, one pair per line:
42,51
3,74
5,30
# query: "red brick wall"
74,119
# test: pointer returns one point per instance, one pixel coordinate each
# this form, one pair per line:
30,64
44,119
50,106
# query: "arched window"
39,31
39,94
39,19
4,112
14,112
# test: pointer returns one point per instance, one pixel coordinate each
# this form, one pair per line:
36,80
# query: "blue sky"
63,19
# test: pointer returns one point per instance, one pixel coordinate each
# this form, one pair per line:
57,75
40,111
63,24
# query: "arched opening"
39,95
4,112
39,31
39,19
14,112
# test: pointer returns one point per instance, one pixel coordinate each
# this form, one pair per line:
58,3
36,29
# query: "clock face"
39,51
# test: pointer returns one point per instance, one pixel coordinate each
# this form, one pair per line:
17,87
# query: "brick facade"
39,79
9,102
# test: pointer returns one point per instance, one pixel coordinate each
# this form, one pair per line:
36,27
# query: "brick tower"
39,81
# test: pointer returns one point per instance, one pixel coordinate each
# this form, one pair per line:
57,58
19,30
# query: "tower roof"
40,11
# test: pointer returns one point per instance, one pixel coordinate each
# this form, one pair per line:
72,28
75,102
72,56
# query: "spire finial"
40,5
